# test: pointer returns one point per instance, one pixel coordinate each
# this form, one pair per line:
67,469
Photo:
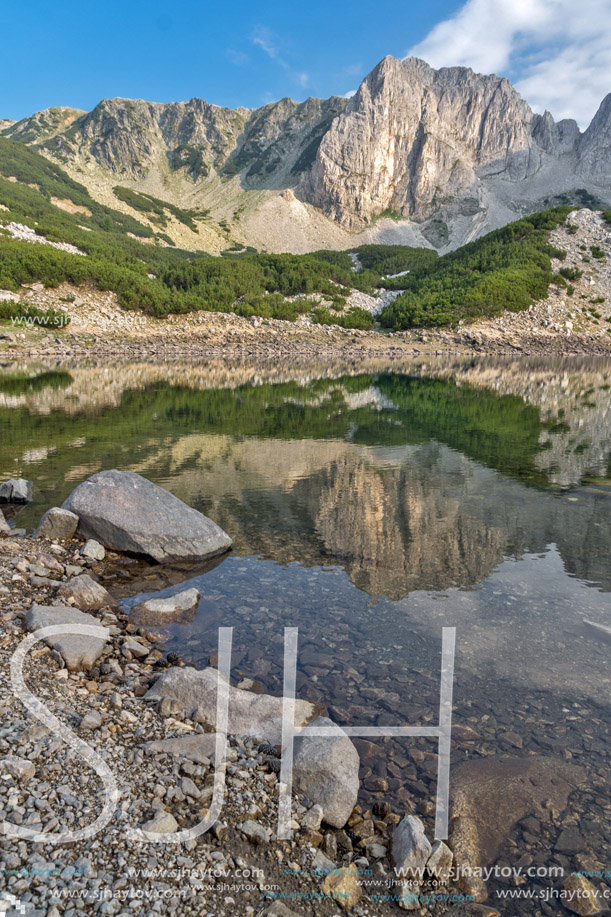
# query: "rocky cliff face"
414,139
595,146
449,154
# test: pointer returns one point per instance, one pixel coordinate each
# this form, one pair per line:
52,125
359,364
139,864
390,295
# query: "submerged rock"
172,608
57,523
249,714
601,630
79,651
498,792
126,512
16,490
326,771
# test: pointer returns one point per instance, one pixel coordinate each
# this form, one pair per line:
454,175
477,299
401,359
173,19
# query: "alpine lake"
370,507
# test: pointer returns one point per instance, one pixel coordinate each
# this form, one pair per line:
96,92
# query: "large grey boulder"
249,714
57,523
87,594
126,512
79,651
326,771
16,490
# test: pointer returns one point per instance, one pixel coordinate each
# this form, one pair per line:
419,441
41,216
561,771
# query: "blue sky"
74,53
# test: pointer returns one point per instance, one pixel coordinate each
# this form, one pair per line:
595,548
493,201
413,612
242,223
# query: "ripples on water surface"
370,510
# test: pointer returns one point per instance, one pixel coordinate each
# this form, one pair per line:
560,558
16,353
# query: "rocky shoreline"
121,697
232,337
150,718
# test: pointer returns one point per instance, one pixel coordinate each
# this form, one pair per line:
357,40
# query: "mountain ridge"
416,156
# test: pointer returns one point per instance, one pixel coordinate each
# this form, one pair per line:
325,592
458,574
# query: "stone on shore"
87,594
93,550
249,714
163,823
439,864
172,608
16,490
197,748
326,771
255,832
128,513
411,848
343,886
79,651
57,523
19,768
278,909
5,528
582,896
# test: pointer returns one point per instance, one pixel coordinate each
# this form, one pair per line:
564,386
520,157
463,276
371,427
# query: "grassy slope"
507,269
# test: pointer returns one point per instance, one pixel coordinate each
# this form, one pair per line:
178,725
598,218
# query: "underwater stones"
249,714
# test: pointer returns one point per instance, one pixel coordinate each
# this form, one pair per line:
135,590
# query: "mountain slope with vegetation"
507,270
127,257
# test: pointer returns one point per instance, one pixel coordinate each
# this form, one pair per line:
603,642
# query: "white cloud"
557,51
350,93
265,39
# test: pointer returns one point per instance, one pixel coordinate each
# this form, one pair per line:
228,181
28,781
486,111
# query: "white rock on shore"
79,651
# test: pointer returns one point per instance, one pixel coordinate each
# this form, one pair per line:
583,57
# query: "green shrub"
570,273
507,269
355,318
598,252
